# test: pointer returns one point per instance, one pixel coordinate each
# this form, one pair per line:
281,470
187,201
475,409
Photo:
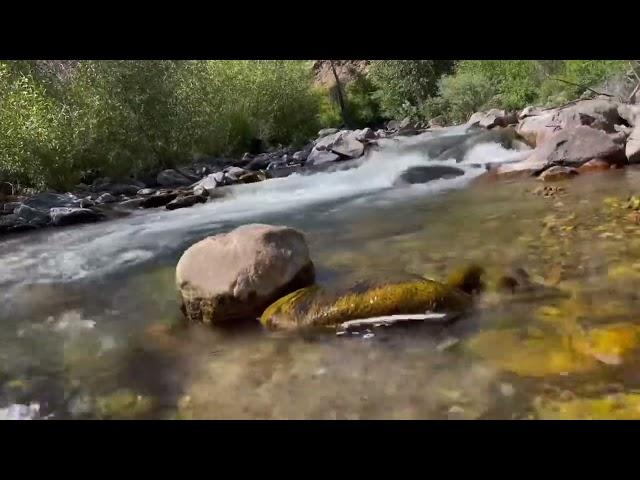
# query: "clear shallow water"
82,323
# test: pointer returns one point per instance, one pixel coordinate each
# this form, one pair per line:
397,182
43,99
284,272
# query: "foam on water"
97,249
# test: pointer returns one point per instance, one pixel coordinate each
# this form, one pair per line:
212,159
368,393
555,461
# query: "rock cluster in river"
586,136
265,271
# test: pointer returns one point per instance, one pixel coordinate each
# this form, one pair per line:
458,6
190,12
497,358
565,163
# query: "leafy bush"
364,108
580,74
329,115
461,95
34,145
404,85
124,117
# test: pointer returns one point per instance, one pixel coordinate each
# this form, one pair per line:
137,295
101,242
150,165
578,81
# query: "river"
85,310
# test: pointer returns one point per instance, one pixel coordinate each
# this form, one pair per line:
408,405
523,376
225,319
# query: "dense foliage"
125,117
404,85
122,118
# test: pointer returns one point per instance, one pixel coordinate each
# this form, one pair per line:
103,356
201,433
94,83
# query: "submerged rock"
610,407
426,174
572,351
315,307
557,173
234,276
468,279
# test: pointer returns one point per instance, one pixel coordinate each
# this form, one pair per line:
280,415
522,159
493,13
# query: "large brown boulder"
236,275
576,146
538,126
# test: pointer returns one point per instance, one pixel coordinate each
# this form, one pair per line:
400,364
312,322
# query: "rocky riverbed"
525,290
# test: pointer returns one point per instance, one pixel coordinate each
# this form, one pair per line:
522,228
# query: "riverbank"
584,136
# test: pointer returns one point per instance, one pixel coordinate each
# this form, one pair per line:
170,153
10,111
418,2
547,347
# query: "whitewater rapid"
90,251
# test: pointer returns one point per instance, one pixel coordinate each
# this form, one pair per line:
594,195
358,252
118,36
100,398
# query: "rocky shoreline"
203,180
581,137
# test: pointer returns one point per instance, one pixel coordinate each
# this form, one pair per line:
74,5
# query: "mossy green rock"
316,307
123,405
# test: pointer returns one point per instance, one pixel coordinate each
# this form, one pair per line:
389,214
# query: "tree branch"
581,86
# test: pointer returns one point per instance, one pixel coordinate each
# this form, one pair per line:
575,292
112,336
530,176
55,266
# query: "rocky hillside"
347,70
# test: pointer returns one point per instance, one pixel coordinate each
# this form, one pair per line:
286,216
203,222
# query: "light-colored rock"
599,114
529,111
234,276
210,182
557,173
364,134
536,129
493,118
325,143
632,150
300,156
630,114
320,157
234,173
348,146
576,146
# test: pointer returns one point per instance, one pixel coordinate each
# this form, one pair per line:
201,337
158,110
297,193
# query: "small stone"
507,389
447,344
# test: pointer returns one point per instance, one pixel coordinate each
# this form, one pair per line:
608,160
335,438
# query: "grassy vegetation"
126,117
122,118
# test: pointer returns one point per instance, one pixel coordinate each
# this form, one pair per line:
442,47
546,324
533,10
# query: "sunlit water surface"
85,309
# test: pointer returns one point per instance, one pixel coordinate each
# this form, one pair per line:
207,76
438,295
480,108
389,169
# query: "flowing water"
85,310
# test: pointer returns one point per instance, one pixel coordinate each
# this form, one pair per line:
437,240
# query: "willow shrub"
125,117
403,86
34,140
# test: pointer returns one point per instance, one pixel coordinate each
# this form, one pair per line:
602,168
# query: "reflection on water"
105,347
